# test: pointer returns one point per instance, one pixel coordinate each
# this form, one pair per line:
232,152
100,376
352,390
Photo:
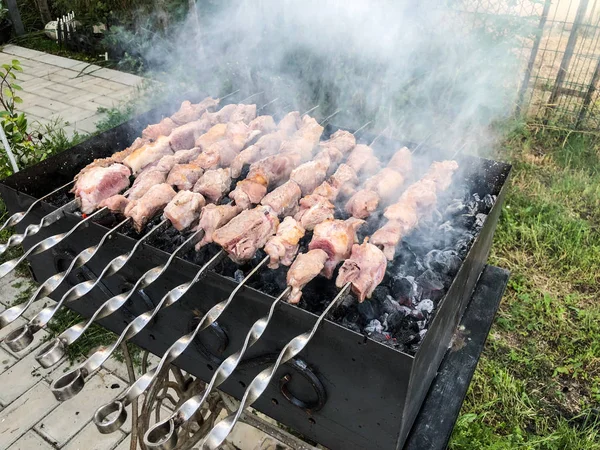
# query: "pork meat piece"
239,135
344,180
214,184
314,209
362,204
186,156
305,268
273,170
184,176
247,232
309,130
309,175
284,199
100,183
290,123
441,174
162,128
145,181
404,212
282,247
330,157
363,160
327,191
387,183
154,201
118,157
248,193
264,124
214,217
365,269
387,238
303,148
116,204
266,145
244,113
342,140
184,136
401,161
189,112
421,194
184,209
215,134
148,154
336,238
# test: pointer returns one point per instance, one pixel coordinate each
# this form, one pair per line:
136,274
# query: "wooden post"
44,10
588,96
15,16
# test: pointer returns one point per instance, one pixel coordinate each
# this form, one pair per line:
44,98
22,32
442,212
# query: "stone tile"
88,125
35,84
118,368
60,369
13,288
56,60
98,89
31,441
71,416
73,115
112,85
89,434
125,444
62,89
37,306
22,414
121,77
77,96
21,51
105,101
6,360
52,103
38,110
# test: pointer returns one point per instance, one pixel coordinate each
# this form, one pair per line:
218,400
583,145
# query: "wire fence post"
589,95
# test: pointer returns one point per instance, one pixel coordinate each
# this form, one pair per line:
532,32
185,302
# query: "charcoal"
403,328
464,221
456,208
446,262
480,220
238,276
425,306
390,306
405,290
368,310
382,338
488,202
432,285
374,326
351,321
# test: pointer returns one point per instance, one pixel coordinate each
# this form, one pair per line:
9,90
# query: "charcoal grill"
345,391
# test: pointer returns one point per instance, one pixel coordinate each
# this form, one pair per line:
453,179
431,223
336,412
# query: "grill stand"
432,428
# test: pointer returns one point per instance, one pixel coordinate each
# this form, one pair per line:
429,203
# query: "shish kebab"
71,383
366,259
53,282
264,223
174,210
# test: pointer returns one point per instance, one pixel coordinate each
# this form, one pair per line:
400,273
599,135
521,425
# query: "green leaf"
15,61
16,87
8,93
4,113
12,75
17,99
18,68
6,67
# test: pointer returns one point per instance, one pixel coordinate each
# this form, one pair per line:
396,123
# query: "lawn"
537,385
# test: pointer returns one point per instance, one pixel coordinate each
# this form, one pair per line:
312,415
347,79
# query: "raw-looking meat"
401,161
247,232
290,123
314,209
244,113
184,176
148,154
303,149
342,140
336,238
284,199
387,183
365,269
116,204
282,247
265,146
362,204
304,269
189,112
248,193
184,209
186,156
100,183
162,128
154,201
213,135
309,130
422,194
441,172
214,217
184,136
264,124
145,181
388,236
309,175
330,157
363,160
214,184
403,212
344,180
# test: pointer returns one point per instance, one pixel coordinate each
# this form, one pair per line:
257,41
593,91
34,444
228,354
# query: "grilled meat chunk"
363,160
304,269
326,191
330,158
99,183
441,172
401,161
247,232
264,124
154,201
116,204
214,184
214,217
290,123
362,203
421,194
309,175
184,136
282,247
272,170
388,236
344,180
314,209
248,193
184,209
145,181
215,134
189,112
342,140
404,212
148,154
186,156
284,199
162,128
365,269
336,238
387,183
184,176
244,113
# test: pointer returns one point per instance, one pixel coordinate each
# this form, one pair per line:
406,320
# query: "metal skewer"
163,435
53,352
19,216
17,342
259,384
71,383
101,420
310,110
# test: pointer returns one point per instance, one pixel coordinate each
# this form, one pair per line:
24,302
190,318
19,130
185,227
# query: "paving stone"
21,51
73,115
35,84
89,434
98,89
31,441
54,105
23,413
56,60
37,306
78,96
6,360
12,287
38,110
88,125
71,416
126,78
125,444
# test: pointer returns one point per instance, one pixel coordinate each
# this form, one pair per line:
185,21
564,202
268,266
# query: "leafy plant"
3,12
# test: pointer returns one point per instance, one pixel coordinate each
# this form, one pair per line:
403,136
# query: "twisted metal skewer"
71,383
259,384
53,352
32,229
163,435
19,216
101,420
22,337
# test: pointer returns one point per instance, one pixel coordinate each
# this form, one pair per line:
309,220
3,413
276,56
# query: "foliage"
3,12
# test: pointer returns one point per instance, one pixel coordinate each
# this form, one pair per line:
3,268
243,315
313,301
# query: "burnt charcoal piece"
390,306
432,285
456,208
446,262
368,310
374,326
425,306
464,221
403,328
351,321
405,290
480,219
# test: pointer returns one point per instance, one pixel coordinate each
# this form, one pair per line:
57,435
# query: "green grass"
537,385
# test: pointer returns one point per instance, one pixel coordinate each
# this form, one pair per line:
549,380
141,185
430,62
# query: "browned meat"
387,183
302,148
244,113
184,209
272,170
441,174
265,146
327,191
184,136
221,116
365,269
189,112
282,247
309,130
290,123
248,193
116,204
162,128
118,157
264,124
387,237
184,176
403,211
143,209
99,183
309,175
240,134
342,140
331,157
186,156
336,238
284,199
145,181
214,217
421,194
362,204
148,154
363,160
247,232
314,209
216,133
344,180
214,184
401,161
304,269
